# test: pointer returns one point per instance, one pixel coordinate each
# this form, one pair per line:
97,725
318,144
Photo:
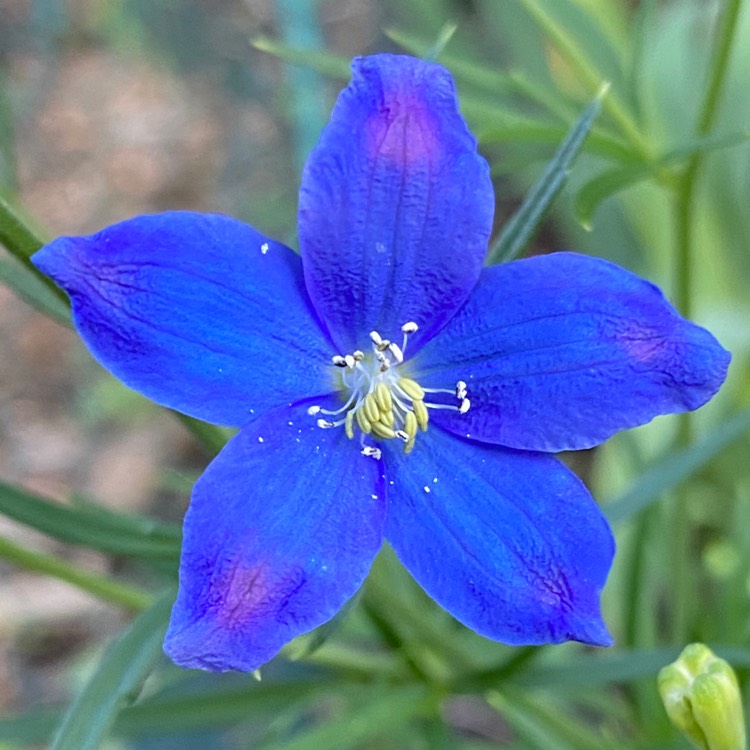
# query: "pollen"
380,401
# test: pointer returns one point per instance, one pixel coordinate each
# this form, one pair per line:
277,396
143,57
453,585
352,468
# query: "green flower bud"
702,699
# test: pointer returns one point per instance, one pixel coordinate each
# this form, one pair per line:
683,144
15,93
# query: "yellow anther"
383,396
349,424
409,446
383,431
363,422
370,406
420,412
387,418
410,425
411,388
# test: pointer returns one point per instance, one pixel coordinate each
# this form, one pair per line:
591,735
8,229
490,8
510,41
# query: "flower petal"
561,351
395,206
199,312
509,542
281,531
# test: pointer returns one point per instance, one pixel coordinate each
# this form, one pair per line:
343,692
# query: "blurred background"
110,108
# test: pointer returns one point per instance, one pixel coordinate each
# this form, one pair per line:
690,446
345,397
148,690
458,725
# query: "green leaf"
16,234
31,289
29,728
517,233
434,51
591,195
325,63
208,702
594,670
22,242
378,715
676,468
118,677
103,587
93,526
518,129
544,725
199,701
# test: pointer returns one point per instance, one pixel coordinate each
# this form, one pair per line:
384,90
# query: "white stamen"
460,389
372,452
395,351
381,402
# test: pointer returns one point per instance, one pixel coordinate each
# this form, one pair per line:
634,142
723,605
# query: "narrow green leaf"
325,63
8,166
31,289
518,129
30,728
517,233
378,715
676,468
438,46
591,195
100,586
197,702
544,725
16,234
205,702
602,668
603,186
22,242
119,675
100,529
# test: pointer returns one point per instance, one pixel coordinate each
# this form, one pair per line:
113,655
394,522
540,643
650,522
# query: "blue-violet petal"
281,531
199,312
561,351
509,542
395,205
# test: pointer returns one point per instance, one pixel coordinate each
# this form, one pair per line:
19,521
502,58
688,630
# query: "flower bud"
702,699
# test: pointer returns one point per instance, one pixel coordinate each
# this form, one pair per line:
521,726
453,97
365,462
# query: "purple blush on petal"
408,136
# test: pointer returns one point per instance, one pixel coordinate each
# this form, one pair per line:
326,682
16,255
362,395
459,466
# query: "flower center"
381,401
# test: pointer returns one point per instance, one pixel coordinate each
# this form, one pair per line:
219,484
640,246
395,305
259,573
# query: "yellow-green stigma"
380,401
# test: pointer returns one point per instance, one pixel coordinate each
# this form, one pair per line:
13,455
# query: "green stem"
101,587
683,582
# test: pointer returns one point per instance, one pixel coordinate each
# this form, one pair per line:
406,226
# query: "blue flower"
386,386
